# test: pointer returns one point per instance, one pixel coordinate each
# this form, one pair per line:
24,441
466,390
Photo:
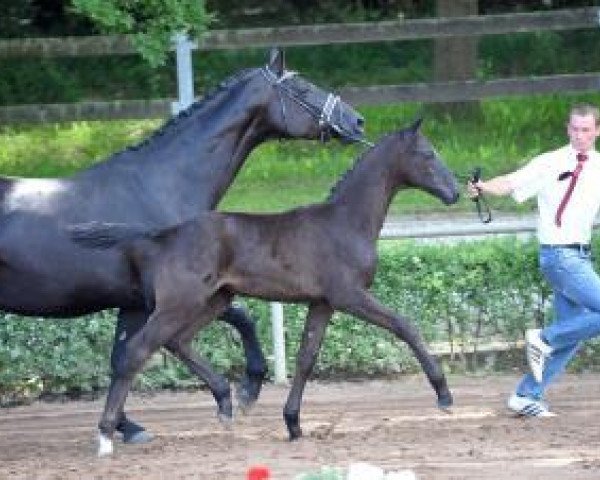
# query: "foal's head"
421,166
294,107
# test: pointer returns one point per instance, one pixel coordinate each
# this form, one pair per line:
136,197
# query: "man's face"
582,131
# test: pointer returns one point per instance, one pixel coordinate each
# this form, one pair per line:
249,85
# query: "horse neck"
364,194
194,158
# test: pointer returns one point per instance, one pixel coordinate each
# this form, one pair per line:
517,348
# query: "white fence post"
278,343
185,74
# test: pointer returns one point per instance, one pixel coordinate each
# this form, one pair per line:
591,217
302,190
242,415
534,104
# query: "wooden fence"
566,19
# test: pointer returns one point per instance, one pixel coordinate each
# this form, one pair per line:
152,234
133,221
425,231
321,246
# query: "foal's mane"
363,158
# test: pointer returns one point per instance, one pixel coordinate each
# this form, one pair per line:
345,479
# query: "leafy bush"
465,294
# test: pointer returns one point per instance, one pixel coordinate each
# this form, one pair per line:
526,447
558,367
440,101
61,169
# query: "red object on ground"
258,472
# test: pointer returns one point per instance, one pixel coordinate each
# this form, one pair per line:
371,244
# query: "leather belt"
581,247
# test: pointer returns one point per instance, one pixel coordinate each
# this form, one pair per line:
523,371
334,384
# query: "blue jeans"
576,288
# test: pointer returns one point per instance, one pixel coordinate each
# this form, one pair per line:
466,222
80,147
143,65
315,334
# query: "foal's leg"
160,327
362,304
314,329
256,365
129,322
218,384
180,347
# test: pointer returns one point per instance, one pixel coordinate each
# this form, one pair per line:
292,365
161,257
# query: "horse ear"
416,125
277,61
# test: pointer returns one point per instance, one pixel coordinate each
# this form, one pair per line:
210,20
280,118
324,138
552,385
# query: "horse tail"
102,235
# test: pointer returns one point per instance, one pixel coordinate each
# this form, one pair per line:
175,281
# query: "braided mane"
174,122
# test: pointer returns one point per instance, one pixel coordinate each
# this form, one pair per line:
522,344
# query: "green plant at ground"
325,473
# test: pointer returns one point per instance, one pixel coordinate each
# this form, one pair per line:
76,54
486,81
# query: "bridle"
323,115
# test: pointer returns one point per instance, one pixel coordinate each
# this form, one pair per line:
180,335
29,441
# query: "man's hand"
474,189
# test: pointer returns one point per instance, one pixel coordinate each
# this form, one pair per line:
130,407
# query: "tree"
152,23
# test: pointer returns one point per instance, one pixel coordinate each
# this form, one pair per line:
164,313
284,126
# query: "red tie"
581,158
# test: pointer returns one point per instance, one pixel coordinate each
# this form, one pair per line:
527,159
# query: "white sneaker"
537,352
528,407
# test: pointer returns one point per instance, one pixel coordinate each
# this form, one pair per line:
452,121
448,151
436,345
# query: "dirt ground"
392,424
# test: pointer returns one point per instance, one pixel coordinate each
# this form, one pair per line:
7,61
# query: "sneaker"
529,407
537,352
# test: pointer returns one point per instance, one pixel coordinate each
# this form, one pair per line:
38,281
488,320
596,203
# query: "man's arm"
498,186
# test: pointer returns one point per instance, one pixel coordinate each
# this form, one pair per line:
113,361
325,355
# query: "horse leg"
218,384
362,304
160,327
314,329
248,389
180,347
129,322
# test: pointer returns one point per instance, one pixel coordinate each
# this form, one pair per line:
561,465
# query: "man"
566,183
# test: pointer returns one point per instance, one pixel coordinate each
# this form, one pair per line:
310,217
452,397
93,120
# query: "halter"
324,116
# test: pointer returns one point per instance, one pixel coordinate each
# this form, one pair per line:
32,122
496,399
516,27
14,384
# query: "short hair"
583,109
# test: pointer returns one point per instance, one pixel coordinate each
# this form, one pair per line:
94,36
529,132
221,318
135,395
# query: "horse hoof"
105,446
133,433
445,403
245,402
247,392
226,420
138,438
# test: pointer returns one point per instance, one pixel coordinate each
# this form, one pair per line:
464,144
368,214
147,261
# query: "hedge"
468,293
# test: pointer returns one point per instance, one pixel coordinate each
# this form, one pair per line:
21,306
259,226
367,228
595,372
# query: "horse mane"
348,174
174,122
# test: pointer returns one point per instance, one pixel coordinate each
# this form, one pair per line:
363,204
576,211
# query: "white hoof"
105,446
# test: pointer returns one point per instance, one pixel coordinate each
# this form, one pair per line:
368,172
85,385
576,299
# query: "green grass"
281,175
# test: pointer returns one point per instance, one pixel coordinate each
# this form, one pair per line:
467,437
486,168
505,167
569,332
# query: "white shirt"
540,178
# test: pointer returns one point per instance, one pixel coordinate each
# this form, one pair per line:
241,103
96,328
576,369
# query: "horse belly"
58,285
277,284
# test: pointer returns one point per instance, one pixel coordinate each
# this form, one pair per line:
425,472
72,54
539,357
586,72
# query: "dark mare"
323,255
180,171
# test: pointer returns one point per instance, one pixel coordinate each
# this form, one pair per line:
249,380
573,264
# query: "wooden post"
455,58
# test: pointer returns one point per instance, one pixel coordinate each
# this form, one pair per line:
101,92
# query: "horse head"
423,168
297,108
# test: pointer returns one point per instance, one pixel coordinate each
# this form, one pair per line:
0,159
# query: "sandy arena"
393,424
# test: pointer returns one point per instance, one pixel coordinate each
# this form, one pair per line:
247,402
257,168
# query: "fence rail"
373,95
566,19
365,32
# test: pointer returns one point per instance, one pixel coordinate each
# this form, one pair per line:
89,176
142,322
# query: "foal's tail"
105,235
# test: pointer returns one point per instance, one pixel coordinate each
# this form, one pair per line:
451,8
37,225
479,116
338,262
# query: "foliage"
325,473
464,295
152,23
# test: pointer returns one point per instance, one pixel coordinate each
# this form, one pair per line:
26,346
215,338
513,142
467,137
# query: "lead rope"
481,203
